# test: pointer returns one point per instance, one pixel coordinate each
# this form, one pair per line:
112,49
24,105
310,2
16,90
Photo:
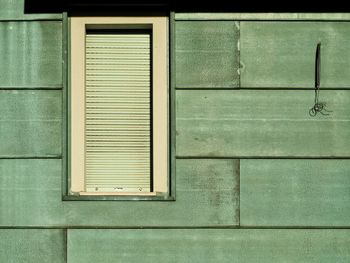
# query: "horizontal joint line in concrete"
30,19
260,88
179,227
32,88
264,157
30,157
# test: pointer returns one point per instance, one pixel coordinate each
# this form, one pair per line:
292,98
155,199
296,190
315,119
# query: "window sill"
120,197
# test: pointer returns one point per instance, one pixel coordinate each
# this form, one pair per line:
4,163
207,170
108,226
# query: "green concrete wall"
257,178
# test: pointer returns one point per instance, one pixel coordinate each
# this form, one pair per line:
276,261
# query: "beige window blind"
118,111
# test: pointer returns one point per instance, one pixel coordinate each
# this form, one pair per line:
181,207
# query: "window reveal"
119,106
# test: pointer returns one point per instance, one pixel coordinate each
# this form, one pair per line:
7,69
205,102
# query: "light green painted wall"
207,54
261,123
249,157
31,123
31,54
276,192
281,55
32,246
209,245
207,195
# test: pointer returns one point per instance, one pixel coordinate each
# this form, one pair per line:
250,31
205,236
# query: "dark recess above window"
115,6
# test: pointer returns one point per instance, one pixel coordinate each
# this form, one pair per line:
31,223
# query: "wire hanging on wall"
319,107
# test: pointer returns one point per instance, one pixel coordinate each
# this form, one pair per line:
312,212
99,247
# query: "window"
119,106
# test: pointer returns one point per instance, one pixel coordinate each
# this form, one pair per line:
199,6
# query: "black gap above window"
162,6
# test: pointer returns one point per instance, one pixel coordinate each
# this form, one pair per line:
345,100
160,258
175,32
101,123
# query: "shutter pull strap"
318,106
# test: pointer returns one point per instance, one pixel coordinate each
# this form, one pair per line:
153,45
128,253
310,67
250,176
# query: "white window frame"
160,98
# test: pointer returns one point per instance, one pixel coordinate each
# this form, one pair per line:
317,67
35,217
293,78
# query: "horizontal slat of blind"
117,136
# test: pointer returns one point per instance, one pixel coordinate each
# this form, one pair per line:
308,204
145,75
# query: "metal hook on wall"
319,107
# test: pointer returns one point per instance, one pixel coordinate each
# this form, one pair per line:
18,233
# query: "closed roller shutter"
118,107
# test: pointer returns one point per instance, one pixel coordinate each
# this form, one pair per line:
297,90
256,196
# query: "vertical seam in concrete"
237,173
64,113
65,246
238,46
172,104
